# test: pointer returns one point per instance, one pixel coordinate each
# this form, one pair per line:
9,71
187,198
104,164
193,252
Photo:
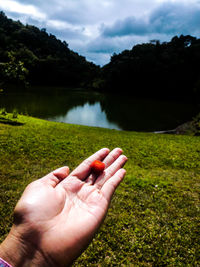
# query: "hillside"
48,60
168,70
154,216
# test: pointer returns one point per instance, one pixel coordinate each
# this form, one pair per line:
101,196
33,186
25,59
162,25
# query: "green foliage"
49,60
196,124
9,118
190,128
154,216
154,69
15,114
3,112
14,71
98,84
164,70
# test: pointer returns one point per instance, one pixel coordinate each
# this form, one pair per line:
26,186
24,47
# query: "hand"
58,215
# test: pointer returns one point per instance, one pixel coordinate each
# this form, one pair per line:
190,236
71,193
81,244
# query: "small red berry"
97,166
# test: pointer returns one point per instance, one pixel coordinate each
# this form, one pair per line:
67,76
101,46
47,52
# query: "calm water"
86,108
88,114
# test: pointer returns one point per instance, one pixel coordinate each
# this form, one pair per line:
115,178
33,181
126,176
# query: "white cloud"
65,30
14,6
58,24
97,29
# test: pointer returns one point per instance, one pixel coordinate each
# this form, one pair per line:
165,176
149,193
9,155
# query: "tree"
49,60
14,71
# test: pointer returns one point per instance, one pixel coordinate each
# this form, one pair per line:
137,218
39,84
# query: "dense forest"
163,70
154,69
28,54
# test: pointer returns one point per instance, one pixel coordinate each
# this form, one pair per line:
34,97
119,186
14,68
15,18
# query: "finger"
83,170
112,156
109,159
111,184
110,171
53,178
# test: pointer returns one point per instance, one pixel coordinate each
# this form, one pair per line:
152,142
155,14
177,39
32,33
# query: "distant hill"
168,70
154,69
48,60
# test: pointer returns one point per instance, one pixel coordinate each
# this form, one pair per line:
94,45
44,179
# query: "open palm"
60,213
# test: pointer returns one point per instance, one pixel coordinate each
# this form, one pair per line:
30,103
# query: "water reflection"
88,114
108,111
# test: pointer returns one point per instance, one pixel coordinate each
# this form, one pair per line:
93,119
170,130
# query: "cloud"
64,30
102,48
169,18
116,44
31,10
98,58
162,23
176,18
97,29
128,26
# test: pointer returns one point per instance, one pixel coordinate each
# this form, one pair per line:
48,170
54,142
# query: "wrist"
17,251
3,263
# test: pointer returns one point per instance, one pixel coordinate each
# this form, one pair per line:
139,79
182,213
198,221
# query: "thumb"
54,178
61,173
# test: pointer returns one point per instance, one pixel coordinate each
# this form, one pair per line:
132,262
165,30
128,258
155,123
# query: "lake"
94,109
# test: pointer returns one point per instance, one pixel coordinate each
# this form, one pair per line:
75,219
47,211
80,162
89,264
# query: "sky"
97,29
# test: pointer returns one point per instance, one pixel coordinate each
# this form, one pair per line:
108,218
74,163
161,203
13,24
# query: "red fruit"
97,166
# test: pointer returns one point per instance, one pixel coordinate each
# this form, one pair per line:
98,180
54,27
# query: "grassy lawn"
154,218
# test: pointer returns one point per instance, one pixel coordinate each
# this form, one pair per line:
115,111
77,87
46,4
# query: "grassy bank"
154,219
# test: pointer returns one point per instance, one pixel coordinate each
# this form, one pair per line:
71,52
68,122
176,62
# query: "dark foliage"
48,60
169,70
154,69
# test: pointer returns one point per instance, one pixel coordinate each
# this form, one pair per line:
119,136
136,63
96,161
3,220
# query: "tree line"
165,70
28,53
154,69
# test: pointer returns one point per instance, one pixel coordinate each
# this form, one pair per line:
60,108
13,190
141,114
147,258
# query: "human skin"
58,215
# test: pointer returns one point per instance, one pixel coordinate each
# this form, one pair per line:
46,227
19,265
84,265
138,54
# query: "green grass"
154,218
